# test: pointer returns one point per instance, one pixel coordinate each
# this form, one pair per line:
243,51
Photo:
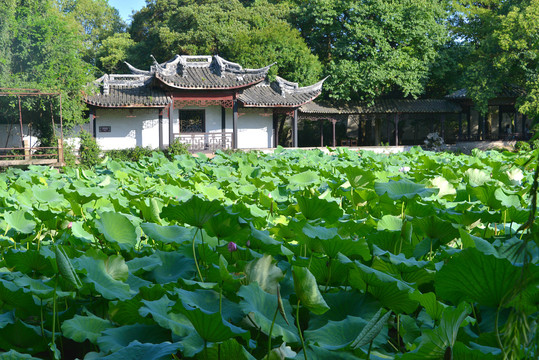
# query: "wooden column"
223,127
500,120
377,125
93,127
295,129
333,122
460,126
468,123
276,128
442,120
397,129
388,130
171,124
61,151
161,146
524,135
322,133
235,125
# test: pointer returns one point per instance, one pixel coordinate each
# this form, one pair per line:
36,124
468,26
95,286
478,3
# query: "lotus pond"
296,254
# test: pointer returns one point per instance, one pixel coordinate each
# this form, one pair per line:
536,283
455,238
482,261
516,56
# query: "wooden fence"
32,155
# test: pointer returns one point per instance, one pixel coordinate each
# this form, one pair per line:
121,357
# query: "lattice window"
192,121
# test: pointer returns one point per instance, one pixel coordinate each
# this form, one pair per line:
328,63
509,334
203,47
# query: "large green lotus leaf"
39,288
435,344
336,335
210,325
432,306
391,292
473,276
47,195
319,353
208,300
390,222
21,221
114,339
28,261
358,177
482,245
15,355
23,337
345,303
7,318
195,211
445,187
307,290
174,266
143,264
117,229
127,312
320,232
359,247
261,307
305,178
105,276
486,194
316,208
226,225
136,351
230,349
476,177
79,232
327,272
265,273
82,328
404,270
180,194
506,200
403,188
160,312
14,297
436,228
168,234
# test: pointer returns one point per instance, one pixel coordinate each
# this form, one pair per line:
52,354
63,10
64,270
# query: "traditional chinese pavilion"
205,101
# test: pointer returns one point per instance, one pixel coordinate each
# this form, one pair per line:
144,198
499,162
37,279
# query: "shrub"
89,151
522,146
176,148
133,154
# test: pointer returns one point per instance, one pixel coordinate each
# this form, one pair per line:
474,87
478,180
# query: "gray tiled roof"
280,93
203,72
134,92
385,106
508,91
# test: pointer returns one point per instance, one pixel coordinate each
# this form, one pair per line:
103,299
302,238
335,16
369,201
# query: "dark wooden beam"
235,125
161,146
295,129
171,125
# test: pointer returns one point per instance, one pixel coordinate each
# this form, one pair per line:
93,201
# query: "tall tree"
502,49
254,34
43,51
373,47
98,20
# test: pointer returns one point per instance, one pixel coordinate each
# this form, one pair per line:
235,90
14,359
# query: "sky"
125,7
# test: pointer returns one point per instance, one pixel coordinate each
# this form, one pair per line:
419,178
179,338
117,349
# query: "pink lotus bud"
232,246
70,225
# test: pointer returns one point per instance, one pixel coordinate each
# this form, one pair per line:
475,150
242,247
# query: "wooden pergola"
389,107
28,150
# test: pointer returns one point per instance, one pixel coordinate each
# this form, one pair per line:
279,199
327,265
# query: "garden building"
206,102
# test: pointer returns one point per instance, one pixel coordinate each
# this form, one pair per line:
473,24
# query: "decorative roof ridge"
121,81
314,87
284,87
136,71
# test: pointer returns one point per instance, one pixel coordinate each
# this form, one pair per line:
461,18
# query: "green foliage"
522,146
176,148
299,250
89,151
114,50
254,35
373,48
41,48
133,154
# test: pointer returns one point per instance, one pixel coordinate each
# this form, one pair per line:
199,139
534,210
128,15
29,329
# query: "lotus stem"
498,332
369,352
299,332
271,330
54,311
195,257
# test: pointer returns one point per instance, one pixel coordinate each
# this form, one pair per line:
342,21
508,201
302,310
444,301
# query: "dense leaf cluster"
296,254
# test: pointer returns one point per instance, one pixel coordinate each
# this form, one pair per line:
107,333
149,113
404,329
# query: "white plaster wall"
130,128
10,135
254,129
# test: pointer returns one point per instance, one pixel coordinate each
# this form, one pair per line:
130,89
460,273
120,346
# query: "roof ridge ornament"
136,71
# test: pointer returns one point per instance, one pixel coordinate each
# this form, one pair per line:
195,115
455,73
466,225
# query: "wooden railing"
206,141
36,155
